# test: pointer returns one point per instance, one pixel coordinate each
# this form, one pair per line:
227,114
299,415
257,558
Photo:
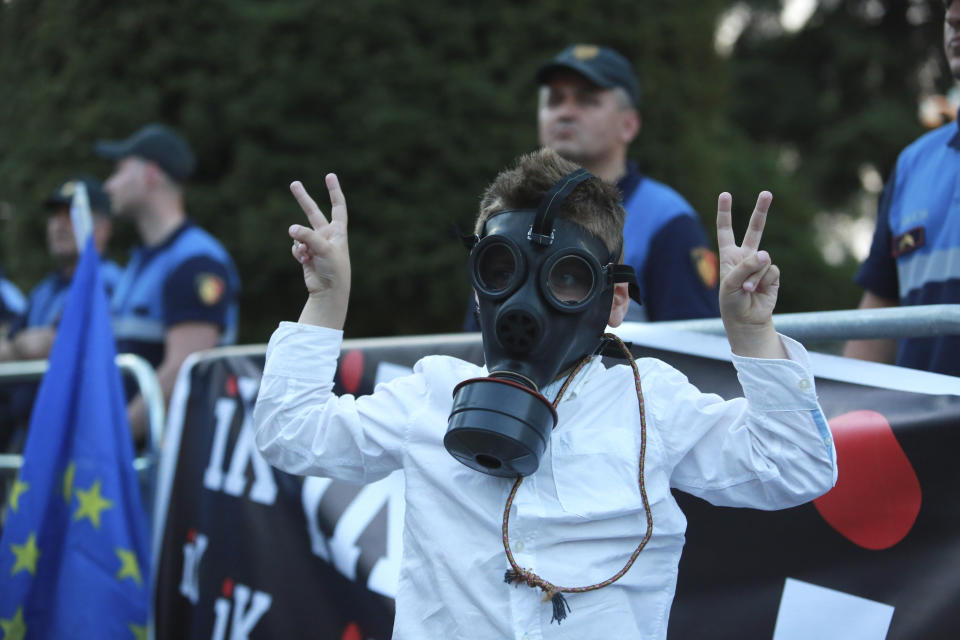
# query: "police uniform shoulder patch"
908,242
210,288
706,265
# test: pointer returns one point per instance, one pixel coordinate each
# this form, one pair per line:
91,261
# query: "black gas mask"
545,290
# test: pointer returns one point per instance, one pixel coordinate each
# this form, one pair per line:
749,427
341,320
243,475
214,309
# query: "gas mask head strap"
541,232
626,273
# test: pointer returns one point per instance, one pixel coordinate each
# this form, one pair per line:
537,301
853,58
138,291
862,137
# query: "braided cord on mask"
516,575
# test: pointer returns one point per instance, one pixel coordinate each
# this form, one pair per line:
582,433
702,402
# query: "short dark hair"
594,205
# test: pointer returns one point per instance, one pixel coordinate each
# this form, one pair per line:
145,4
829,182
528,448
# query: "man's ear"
629,125
621,302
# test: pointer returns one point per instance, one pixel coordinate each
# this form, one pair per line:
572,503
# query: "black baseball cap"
600,65
158,144
63,195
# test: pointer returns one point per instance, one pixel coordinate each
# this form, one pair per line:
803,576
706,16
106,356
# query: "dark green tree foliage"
415,105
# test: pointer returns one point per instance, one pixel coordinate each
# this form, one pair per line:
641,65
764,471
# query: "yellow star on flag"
139,631
14,628
19,488
128,566
27,554
91,504
68,474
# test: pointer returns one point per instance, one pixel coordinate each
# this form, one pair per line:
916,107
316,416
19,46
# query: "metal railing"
855,324
142,373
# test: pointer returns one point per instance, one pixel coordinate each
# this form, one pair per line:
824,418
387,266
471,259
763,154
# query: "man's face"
582,122
60,239
127,185
951,37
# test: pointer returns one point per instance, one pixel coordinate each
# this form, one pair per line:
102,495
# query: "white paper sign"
808,611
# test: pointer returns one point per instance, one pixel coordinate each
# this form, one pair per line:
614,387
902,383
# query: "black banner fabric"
245,551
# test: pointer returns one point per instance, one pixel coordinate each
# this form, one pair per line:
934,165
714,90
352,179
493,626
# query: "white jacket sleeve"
303,428
771,449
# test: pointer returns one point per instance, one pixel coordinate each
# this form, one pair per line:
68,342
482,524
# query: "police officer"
32,336
587,112
915,256
179,292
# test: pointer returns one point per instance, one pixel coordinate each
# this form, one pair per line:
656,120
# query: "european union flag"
74,552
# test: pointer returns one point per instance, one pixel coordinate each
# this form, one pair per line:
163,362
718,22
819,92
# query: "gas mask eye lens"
570,280
496,266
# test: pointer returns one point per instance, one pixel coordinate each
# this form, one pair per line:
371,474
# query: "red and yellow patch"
210,288
909,242
707,266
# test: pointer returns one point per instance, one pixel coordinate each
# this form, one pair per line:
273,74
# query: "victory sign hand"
749,281
322,251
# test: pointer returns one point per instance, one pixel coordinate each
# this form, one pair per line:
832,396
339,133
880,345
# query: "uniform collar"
630,180
169,240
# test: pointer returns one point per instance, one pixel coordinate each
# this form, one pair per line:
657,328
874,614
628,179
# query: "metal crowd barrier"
856,324
142,373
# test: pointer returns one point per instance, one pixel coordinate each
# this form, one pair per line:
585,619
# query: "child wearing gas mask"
545,468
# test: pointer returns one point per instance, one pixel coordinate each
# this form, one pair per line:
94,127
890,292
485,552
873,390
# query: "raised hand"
322,251
749,282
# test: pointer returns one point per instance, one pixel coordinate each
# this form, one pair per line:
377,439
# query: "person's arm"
749,283
772,448
197,298
33,343
6,349
880,350
179,342
301,426
880,281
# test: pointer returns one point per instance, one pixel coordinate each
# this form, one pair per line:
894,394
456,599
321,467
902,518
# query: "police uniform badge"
908,242
706,265
210,288
586,51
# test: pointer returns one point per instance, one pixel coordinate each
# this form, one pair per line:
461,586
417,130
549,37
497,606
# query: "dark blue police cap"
63,195
600,65
156,143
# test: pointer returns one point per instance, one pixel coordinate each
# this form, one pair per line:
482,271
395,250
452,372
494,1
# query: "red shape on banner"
191,535
231,386
228,588
877,497
351,370
352,632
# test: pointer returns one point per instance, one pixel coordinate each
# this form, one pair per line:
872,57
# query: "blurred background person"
32,336
915,255
179,291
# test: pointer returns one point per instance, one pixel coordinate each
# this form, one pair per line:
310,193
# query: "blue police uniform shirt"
47,299
915,255
189,277
44,308
666,245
